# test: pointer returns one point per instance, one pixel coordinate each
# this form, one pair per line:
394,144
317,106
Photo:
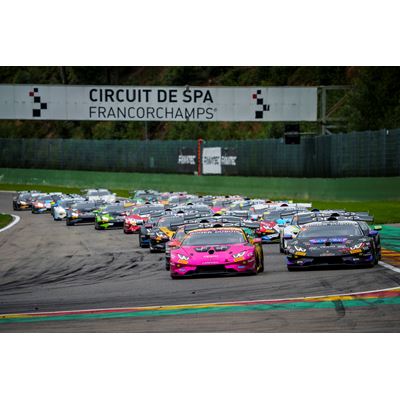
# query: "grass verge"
341,189
5,219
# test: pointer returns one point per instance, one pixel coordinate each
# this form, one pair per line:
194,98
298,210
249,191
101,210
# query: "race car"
290,231
42,204
328,243
139,215
142,196
225,250
59,209
81,213
182,229
111,216
162,232
100,195
23,200
145,230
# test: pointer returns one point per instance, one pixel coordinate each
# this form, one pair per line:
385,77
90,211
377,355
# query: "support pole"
199,145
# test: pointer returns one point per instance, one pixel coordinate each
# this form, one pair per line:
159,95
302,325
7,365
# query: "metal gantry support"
325,118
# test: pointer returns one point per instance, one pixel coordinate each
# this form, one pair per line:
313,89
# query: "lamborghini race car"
145,230
111,216
139,215
23,200
162,231
42,204
216,251
81,213
290,230
103,195
331,243
59,209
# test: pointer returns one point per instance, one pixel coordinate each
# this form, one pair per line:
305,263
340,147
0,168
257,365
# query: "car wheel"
292,269
96,226
262,265
140,241
68,223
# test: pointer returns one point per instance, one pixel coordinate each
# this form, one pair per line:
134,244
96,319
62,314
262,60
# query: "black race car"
23,200
82,213
327,243
145,230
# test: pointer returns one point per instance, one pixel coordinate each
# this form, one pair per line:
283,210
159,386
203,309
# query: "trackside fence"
369,154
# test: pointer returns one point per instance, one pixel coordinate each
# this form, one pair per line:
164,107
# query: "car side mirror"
377,227
139,222
373,233
287,237
257,240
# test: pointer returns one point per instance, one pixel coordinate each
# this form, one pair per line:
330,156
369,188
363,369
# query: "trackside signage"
151,103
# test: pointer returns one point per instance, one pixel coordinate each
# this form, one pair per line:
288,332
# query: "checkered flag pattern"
38,106
260,102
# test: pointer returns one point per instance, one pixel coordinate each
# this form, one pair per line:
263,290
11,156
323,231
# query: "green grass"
341,189
5,219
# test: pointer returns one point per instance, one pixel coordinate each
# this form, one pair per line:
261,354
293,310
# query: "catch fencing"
353,154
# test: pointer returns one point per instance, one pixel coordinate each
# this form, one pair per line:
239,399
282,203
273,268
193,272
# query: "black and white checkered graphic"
260,102
38,105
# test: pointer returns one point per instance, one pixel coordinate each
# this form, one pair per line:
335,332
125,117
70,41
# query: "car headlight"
23,203
360,247
300,249
239,255
183,259
105,219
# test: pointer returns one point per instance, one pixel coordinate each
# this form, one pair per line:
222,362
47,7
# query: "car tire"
292,269
68,223
262,264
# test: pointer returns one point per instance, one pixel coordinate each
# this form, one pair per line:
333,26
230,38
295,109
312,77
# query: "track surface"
47,266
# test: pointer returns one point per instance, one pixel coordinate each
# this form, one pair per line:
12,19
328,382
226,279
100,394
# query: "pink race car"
217,251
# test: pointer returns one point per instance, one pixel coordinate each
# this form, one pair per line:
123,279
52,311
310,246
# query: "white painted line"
16,219
388,266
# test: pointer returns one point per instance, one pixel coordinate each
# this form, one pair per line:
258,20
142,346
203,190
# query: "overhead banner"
211,160
161,103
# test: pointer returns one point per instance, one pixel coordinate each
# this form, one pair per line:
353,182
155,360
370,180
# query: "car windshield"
114,208
213,237
103,193
44,198
272,215
24,196
167,221
331,230
83,206
65,203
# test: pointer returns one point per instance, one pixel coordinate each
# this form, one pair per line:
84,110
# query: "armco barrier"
357,154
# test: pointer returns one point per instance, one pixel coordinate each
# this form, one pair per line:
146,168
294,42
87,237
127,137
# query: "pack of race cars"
206,235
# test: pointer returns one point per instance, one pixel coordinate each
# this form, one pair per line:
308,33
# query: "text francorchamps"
151,104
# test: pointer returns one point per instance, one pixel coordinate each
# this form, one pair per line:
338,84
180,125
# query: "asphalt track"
46,266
